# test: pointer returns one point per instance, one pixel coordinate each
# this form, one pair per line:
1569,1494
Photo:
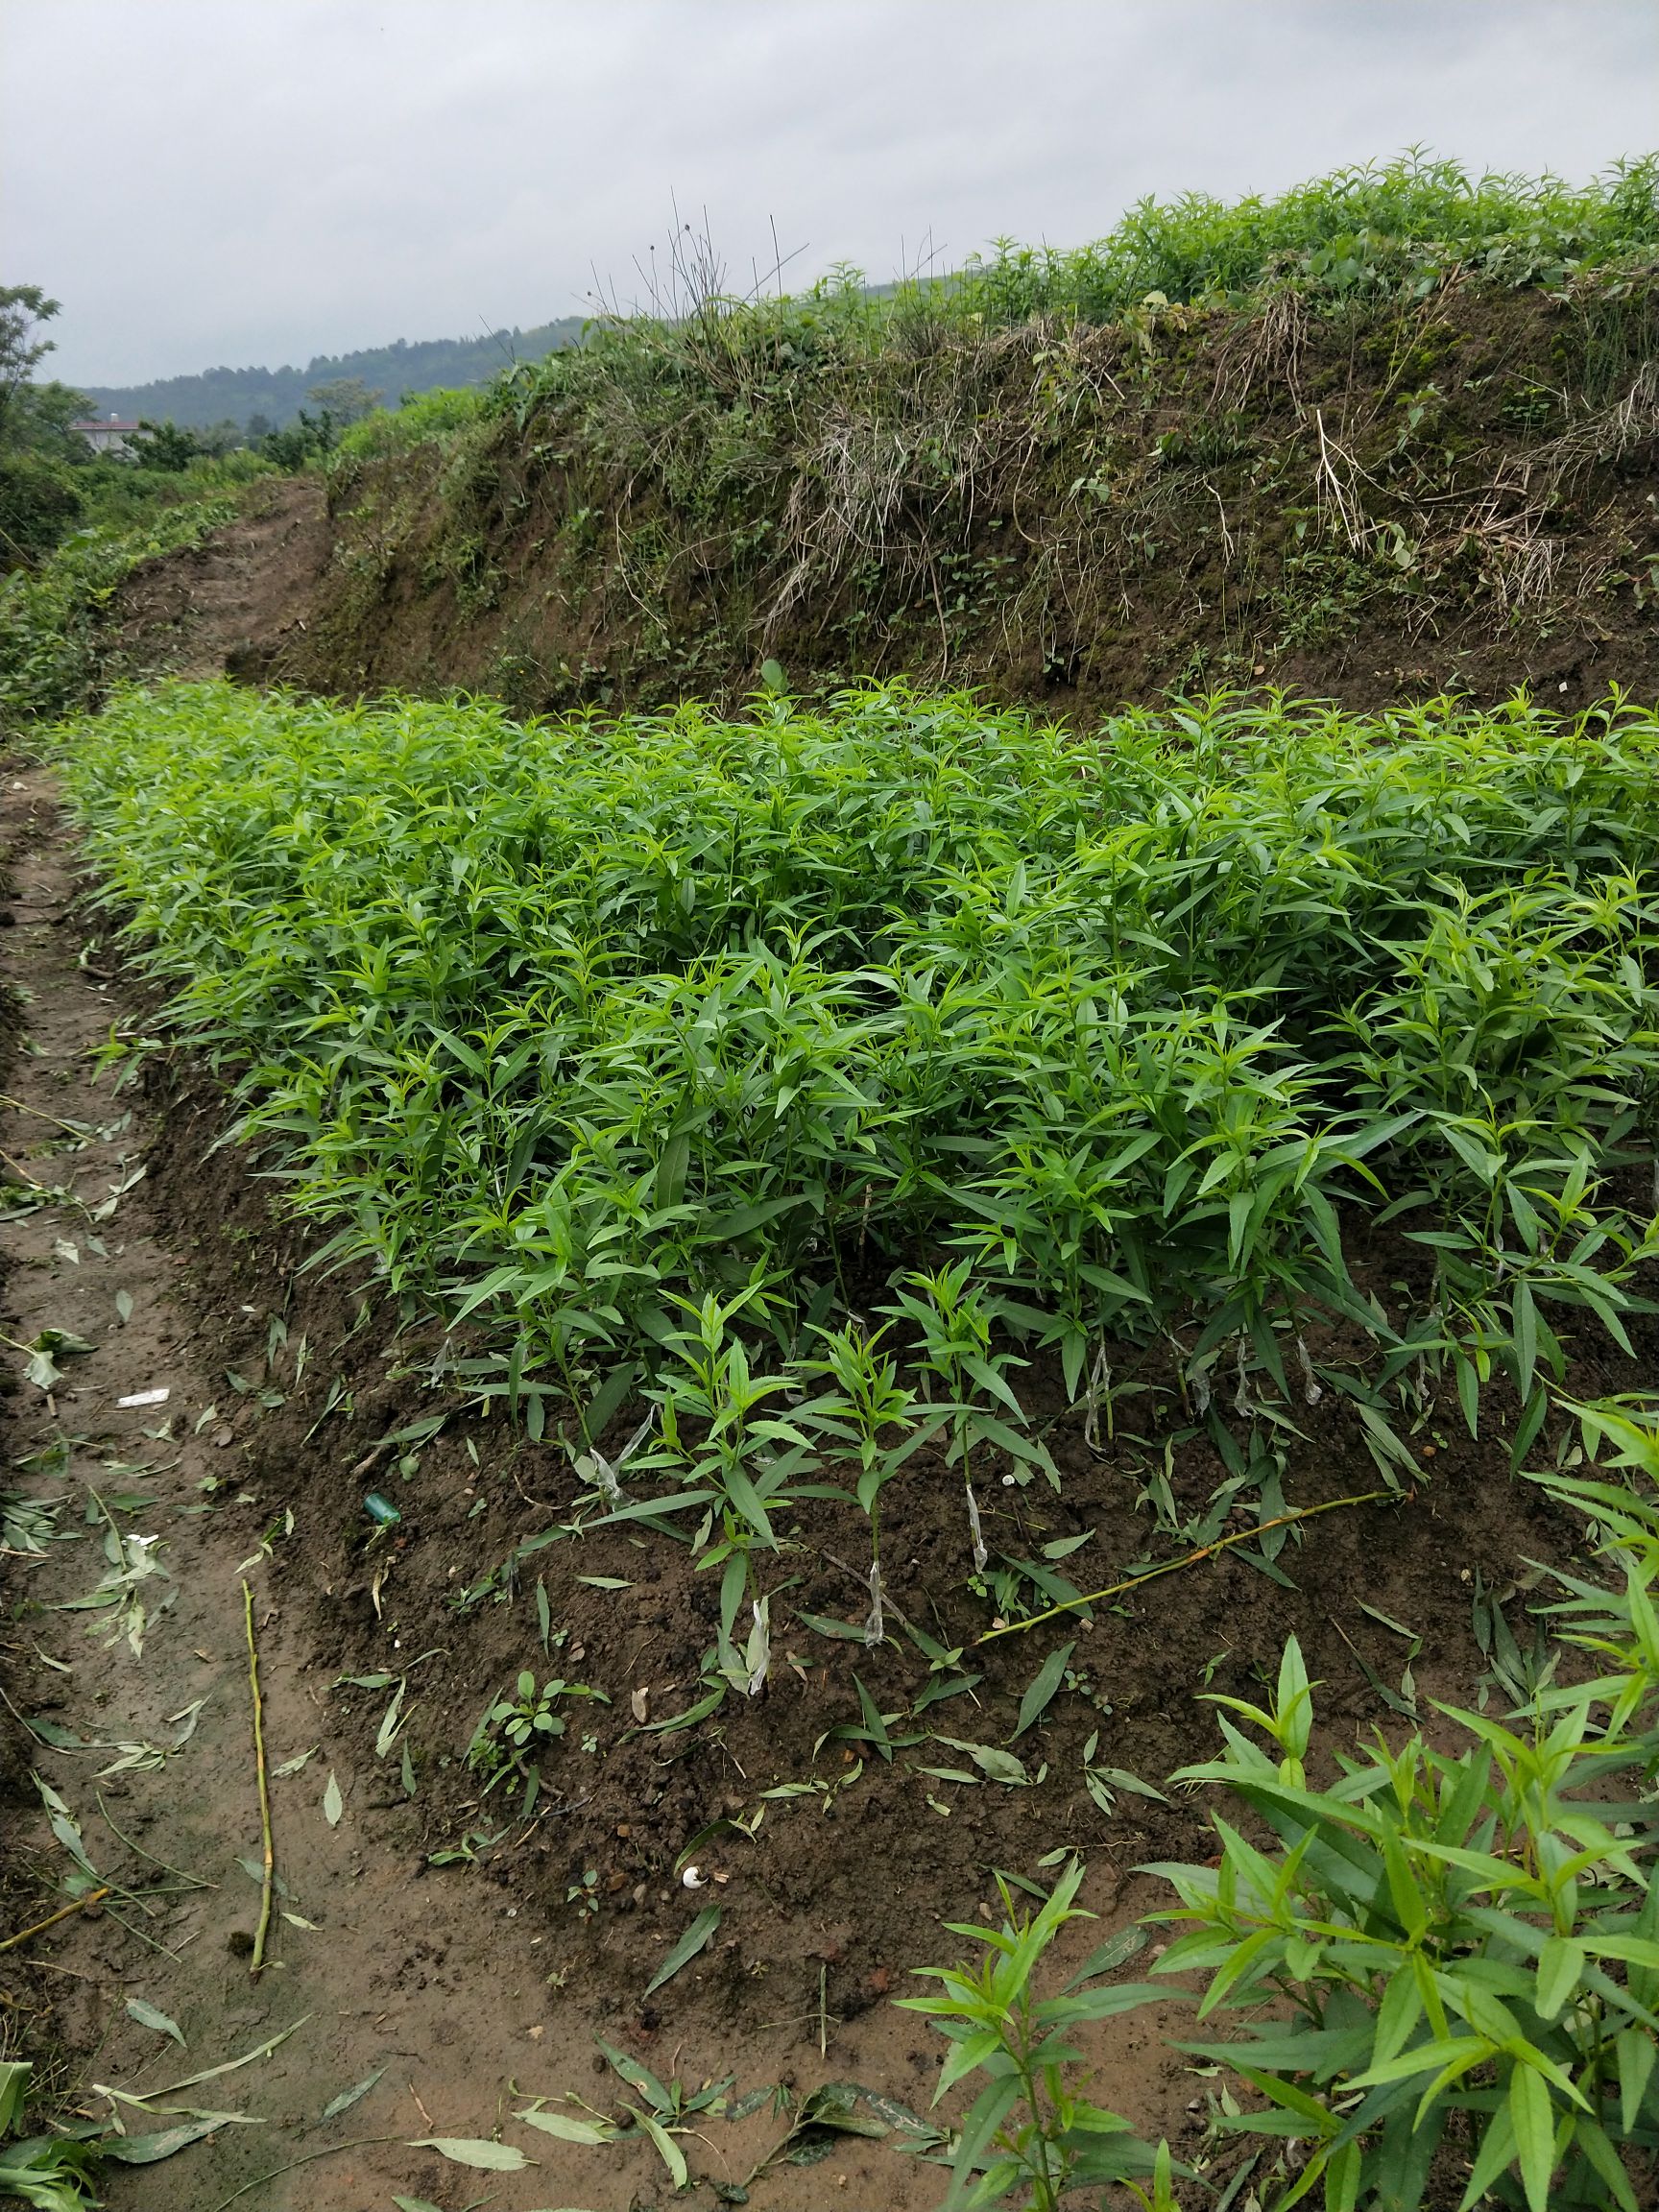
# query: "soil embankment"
1375,503
233,600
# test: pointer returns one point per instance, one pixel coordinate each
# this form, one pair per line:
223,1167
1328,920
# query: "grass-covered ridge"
562,1022
1375,226
1390,433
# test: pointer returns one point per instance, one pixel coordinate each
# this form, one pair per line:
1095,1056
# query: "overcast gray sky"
238,181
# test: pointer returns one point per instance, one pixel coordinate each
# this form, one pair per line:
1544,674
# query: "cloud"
258,180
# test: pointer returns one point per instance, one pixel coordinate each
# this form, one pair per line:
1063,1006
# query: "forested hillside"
276,394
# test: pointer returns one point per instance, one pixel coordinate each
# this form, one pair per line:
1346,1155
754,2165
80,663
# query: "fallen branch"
1192,1559
268,1882
18,1106
52,1919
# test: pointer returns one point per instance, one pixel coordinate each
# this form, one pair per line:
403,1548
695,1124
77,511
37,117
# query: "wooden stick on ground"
20,1106
52,1919
1189,1559
268,1882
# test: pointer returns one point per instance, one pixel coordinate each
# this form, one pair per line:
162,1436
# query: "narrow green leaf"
695,1938
350,2096
1531,2117
147,2016
1043,1688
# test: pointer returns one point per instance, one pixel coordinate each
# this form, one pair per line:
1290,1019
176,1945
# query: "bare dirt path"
231,601
439,2000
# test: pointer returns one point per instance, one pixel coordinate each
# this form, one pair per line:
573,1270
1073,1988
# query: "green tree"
23,309
345,400
43,421
164,445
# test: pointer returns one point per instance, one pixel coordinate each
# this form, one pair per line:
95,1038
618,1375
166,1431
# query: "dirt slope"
232,601
1375,507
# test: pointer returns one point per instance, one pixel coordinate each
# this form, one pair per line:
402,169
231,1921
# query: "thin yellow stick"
1173,1566
269,1882
52,1919
18,1106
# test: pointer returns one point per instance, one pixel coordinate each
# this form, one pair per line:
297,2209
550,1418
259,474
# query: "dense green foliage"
1394,230
1458,1948
51,616
560,1022
1389,226
423,415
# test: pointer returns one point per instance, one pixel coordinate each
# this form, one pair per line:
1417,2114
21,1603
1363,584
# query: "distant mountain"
236,394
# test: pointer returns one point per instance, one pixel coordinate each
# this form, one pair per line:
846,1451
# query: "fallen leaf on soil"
213,2073
145,2149
567,2128
350,2096
695,1938
467,2150
334,1804
147,2016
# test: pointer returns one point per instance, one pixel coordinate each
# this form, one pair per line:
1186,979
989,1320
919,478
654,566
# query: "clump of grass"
573,1029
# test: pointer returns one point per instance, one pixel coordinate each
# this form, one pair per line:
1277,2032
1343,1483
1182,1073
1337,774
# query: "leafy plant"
866,1402
51,2172
520,1723
1029,2131
663,2112
1455,1949
953,1319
